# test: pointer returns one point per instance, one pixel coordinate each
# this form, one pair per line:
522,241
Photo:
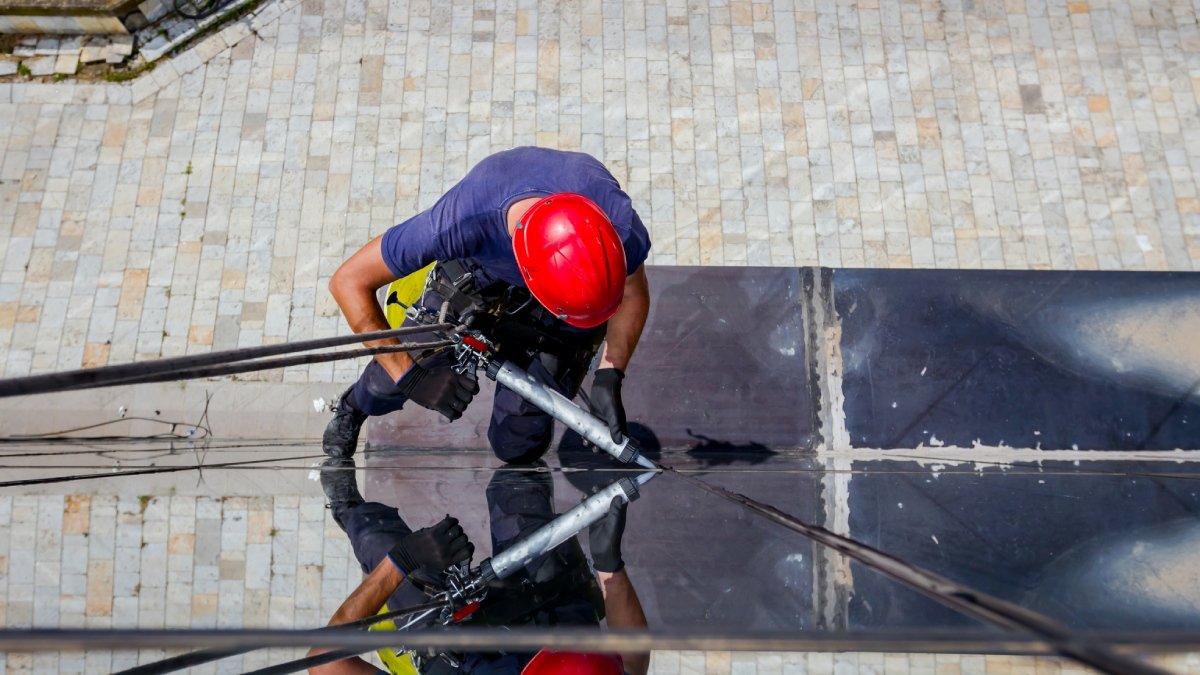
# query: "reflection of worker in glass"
557,589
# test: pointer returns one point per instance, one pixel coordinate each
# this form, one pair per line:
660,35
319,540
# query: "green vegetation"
126,75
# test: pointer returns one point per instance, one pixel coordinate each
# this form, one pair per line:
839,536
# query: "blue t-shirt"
469,222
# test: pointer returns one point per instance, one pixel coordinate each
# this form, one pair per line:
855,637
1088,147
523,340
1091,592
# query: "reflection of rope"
965,599
952,641
329,657
146,472
197,658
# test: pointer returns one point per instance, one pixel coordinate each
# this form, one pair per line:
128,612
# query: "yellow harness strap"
403,293
398,663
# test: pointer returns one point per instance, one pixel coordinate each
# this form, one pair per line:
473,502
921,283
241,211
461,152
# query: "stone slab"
41,65
1061,360
67,64
720,366
1097,545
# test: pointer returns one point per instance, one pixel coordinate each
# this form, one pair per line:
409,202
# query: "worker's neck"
517,211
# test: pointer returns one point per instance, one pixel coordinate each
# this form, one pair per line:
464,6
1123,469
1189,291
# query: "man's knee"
518,440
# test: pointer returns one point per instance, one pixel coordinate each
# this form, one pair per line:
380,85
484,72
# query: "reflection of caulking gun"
474,350
466,588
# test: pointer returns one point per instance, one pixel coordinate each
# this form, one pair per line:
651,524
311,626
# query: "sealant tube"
562,409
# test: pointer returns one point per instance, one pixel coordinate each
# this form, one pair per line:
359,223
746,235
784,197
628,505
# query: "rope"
144,371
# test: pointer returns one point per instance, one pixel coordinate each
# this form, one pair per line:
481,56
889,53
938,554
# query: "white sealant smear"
937,470
315,473
934,538
795,558
893,404
923,371
319,405
936,442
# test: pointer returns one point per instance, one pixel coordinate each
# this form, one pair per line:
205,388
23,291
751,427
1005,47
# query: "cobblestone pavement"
206,204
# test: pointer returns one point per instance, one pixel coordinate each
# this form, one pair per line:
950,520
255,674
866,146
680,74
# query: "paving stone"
42,65
154,10
94,53
122,44
8,67
67,64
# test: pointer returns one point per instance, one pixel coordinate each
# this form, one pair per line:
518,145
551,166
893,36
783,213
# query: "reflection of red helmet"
571,259
547,662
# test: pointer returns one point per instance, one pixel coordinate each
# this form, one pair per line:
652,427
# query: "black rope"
270,364
127,372
302,664
952,641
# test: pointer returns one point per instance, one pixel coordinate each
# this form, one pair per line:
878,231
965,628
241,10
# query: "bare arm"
365,601
353,287
623,610
625,327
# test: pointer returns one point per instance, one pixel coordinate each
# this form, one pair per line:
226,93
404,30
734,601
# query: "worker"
555,589
555,225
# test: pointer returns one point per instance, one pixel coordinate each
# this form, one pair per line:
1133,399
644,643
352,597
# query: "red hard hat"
571,258
547,662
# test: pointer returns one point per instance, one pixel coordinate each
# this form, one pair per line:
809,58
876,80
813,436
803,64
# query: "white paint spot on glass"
936,442
1144,243
900,504
319,405
934,538
923,371
893,404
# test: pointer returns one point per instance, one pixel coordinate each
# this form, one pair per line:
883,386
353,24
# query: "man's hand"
605,538
439,389
606,401
433,549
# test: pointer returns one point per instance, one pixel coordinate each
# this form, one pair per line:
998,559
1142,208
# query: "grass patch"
127,75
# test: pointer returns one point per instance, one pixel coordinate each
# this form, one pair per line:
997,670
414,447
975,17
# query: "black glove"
439,389
605,538
606,401
433,549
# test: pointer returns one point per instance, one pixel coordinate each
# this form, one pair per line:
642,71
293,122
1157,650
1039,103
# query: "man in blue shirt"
554,223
